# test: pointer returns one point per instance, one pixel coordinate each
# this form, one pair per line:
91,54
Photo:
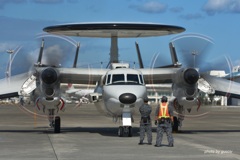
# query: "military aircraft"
77,94
120,90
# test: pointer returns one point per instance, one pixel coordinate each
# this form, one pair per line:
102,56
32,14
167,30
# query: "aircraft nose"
127,98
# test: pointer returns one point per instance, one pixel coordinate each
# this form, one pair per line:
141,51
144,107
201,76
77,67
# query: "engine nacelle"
188,104
186,76
49,90
49,83
185,87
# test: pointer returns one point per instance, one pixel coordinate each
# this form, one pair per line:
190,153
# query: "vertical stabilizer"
139,56
40,53
76,56
174,55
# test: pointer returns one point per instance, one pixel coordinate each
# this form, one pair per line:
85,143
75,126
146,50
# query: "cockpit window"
125,79
141,79
132,78
108,78
117,78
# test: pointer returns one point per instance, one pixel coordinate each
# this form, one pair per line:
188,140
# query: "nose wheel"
125,130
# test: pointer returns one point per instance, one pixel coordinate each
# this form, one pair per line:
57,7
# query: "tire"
57,126
175,124
120,131
130,131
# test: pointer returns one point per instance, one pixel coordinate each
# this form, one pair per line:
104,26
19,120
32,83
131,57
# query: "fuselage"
123,90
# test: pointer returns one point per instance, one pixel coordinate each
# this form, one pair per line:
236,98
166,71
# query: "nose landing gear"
125,130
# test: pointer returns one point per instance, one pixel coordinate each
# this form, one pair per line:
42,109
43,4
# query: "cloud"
191,16
4,46
221,6
177,9
53,55
5,2
150,7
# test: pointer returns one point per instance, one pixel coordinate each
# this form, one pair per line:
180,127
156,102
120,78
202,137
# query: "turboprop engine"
49,89
185,87
49,82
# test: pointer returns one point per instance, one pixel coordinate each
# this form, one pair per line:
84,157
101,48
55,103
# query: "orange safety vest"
163,111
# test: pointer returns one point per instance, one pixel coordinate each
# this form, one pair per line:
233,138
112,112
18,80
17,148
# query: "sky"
22,23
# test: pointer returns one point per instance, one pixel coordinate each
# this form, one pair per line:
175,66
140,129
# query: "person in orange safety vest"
164,120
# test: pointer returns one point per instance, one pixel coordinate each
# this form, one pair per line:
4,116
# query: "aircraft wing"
10,87
222,86
81,75
158,75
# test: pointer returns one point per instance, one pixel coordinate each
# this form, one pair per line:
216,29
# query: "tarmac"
87,135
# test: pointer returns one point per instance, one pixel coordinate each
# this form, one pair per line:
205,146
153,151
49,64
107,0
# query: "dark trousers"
161,128
148,129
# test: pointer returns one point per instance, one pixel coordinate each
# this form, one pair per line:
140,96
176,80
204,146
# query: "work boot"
170,145
140,143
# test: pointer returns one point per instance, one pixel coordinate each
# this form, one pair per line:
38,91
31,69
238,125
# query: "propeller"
59,51
55,51
194,51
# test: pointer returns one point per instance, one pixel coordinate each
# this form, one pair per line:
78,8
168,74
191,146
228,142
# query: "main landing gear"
57,126
175,125
52,106
54,121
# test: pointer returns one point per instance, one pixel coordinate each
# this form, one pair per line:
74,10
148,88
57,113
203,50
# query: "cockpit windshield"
117,78
129,79
132,78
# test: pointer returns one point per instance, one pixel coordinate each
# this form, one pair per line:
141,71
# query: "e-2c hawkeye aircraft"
120,90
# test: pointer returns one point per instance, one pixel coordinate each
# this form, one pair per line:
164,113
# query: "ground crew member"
164,120
145,122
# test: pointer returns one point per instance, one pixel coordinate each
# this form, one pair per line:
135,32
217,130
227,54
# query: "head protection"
145,99
164,99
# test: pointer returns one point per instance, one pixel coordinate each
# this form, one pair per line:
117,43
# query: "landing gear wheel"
175,125
57,126
130,131
120,131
